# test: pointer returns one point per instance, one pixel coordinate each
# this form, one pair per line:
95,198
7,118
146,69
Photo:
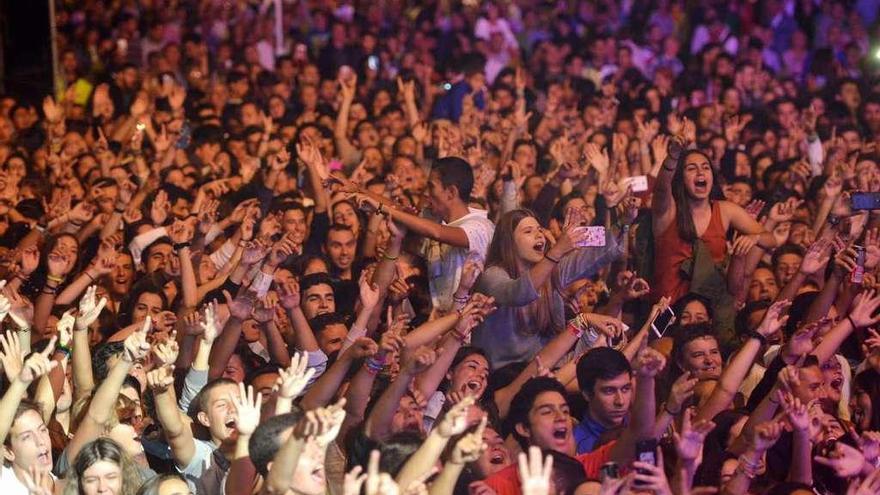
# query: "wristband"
63,349
755,335
87,274
389,258
666,408
180,245
550,258
52,278
119,210
375,364
851,322
459,336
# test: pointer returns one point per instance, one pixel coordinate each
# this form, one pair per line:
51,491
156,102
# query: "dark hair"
602,363
266,440
869,382
783,250
684,220
397,449
320,322
687,334
455,171
683,301
101,356
741,323
524,400
568,472
309,281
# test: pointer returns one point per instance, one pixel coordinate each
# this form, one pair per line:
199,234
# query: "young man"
462,230
23,432
605,380
539,416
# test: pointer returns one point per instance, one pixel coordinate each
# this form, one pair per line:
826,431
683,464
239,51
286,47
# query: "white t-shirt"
445,261
9,483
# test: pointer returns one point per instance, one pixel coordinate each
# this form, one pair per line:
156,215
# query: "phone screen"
662,322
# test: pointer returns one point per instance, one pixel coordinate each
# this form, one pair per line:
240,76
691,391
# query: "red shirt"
506,481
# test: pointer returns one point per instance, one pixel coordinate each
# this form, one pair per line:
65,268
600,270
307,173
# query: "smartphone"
662,322
646,451
638,183
373,62
595,236
865,201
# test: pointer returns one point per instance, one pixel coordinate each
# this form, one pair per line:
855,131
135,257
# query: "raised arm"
89,310
329,383
641,427
34,367
104,400
178,432
378,424
738,367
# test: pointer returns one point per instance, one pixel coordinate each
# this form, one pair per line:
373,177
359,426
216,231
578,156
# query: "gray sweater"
499,335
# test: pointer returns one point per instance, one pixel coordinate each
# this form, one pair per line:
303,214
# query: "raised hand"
864,311
246,409
159,379
473,267
5,304
38,481
241,307
766,435
649,363
455,421
682,390
817,256
363,347
210,328
369,292
292,381
846,461
166,352
65,328
12,356
290,295
689,442
470,447
774,319
652,478
534,472
264,310
136,345
419,360
22,310
38,364
796,411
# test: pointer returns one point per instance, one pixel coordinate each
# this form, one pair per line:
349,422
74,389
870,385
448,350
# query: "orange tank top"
670,251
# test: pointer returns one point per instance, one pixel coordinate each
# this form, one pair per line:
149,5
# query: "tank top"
670,251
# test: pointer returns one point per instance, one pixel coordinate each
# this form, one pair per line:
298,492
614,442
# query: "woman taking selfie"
526,275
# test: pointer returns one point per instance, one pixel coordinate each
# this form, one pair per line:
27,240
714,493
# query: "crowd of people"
487,248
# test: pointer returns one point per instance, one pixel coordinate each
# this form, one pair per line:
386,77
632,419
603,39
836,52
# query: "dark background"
25,49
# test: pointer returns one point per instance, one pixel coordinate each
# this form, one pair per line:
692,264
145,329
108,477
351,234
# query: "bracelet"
180,245
75,224
21,277
459,336
375,364
550,258
49,291
52,278
243,243
575,330
119,210
389,258
87,274
463,299
63,349
851,322
757,336
666,408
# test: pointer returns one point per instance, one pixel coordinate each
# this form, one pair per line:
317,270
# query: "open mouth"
474,385
539,246
318,474
45,458
837,384
560,433
498,458
701,183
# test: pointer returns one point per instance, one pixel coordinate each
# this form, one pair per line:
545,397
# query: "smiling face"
123,274
697,176
763,286
29,443
529,240
318,300
470,375
702,358
549,424
832,377
408,417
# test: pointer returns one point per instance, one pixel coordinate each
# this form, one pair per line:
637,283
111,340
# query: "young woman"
684,214
103,467
526,277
